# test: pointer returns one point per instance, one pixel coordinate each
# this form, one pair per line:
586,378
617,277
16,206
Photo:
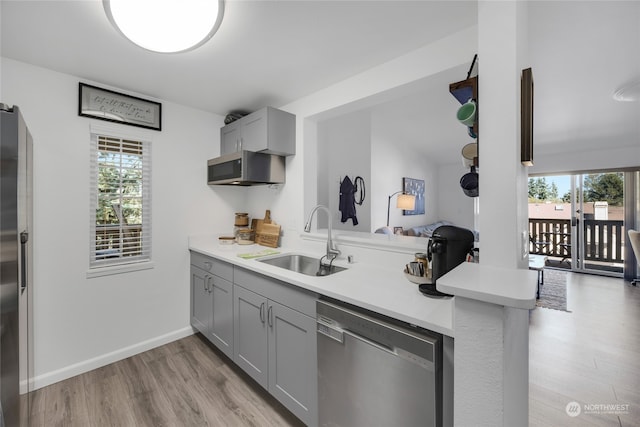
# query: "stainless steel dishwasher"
375,372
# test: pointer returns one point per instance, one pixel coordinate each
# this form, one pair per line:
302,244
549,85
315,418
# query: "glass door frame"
577,228
577,216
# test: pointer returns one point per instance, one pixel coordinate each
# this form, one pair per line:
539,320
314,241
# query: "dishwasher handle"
329,329
371,342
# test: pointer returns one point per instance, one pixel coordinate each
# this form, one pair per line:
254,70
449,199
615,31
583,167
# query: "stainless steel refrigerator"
16,360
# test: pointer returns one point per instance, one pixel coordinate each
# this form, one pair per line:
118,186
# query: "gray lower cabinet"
212,301
200,300
292,337
222,317
251,336
266,326
276,343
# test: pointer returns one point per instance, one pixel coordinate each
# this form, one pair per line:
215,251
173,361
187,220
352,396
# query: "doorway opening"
577,221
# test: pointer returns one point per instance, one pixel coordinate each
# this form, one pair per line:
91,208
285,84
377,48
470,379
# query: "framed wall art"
415,187
105,104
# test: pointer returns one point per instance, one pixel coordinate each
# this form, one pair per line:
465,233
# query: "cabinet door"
229,138
250,334
253,133
222,318
200,300
293,361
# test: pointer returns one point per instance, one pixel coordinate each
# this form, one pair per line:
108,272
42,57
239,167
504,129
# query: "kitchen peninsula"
379,287
376,283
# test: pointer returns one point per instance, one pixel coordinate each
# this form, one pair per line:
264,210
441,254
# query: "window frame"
120,264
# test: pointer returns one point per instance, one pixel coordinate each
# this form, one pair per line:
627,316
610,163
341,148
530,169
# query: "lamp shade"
406,202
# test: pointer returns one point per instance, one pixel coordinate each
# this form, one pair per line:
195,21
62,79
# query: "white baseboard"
105,359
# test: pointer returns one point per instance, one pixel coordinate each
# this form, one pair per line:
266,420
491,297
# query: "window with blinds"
120,201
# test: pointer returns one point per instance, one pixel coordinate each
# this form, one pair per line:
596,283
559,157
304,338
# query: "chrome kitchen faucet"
332,250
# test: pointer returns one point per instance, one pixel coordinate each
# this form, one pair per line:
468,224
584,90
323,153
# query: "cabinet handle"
205,284
240,145
209,284
270,316
208,265
262,312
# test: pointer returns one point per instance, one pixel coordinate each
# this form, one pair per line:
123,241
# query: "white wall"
298,196
291,203
453,205
344,148
83,323
583,160
368,144
503,47
390,162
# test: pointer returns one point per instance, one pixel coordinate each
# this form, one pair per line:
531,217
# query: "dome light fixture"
628,93
166,26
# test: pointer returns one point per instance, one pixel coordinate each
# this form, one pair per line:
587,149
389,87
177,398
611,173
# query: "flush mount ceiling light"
166,26
628,93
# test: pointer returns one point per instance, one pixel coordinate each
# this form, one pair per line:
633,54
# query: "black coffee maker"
448,248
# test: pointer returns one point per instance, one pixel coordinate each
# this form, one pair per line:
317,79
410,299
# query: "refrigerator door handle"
24,238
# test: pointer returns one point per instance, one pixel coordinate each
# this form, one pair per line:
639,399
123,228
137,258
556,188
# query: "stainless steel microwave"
246,168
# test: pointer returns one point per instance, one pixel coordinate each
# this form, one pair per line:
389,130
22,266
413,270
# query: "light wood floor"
590,356
184,383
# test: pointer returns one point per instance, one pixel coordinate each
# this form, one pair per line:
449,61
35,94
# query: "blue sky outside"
563,182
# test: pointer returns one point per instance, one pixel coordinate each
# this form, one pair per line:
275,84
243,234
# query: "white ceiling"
273,52
265,52
581,53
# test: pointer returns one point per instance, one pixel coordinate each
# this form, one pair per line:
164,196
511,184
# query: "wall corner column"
491,356
502,54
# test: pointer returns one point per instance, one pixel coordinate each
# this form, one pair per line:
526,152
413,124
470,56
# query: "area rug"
553,293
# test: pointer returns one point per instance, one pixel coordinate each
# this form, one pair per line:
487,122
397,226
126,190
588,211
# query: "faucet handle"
333,251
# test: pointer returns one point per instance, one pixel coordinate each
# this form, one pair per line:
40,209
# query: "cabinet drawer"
213,266
291,296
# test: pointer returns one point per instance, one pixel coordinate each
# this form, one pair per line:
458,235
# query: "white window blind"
120,208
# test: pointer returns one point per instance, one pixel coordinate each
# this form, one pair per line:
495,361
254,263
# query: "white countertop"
502,286
378,287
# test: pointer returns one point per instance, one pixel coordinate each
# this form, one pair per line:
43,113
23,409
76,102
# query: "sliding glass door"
550,219
577,221
598,223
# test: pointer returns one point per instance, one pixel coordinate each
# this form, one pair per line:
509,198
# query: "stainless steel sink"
302,264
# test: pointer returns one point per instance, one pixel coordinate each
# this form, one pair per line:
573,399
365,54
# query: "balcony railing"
551,237
113,241
603,240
